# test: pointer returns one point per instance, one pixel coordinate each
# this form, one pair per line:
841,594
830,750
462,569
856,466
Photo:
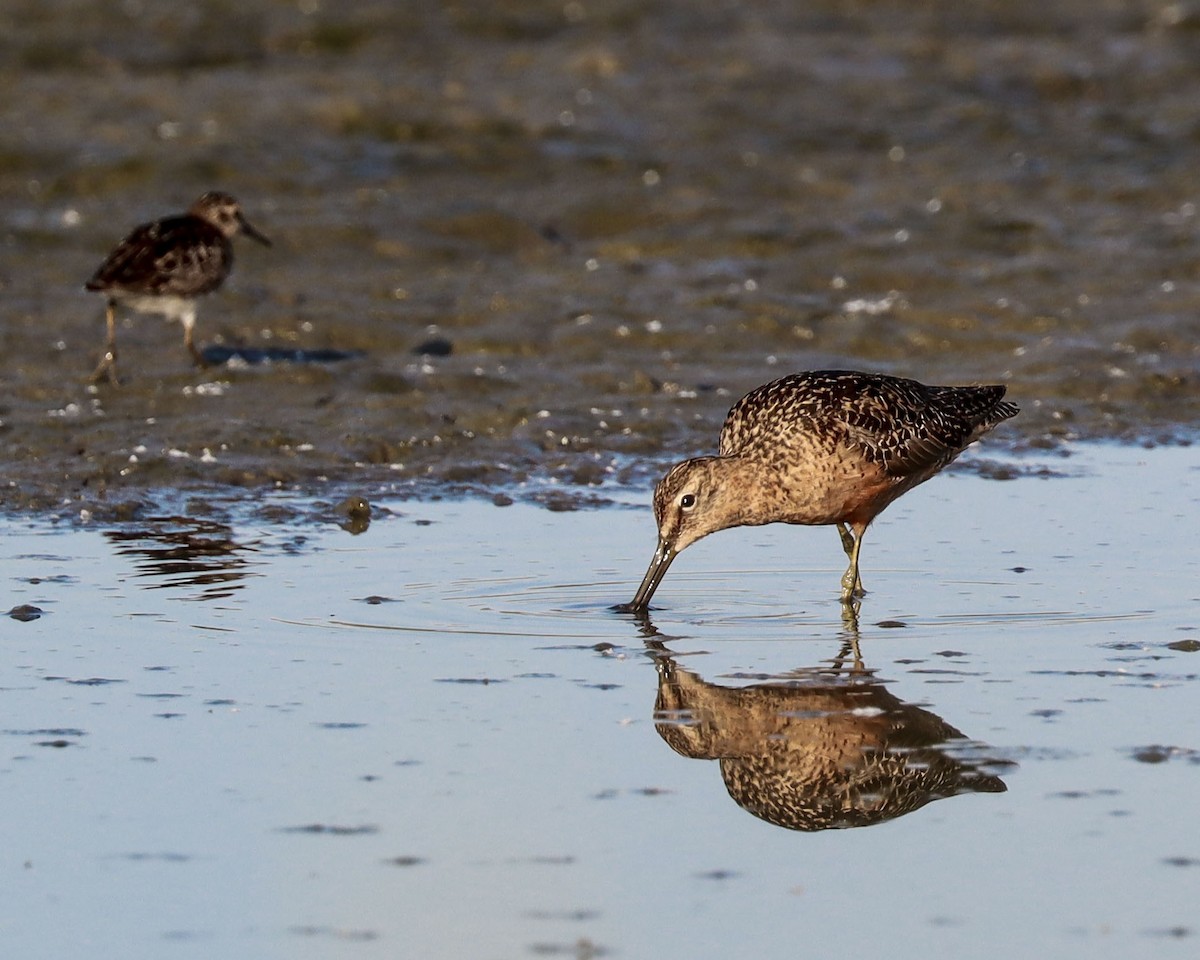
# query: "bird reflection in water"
186,552
819,748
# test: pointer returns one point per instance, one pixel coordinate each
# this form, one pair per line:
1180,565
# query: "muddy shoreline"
563,240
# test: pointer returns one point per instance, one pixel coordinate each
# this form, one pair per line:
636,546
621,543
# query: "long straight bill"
251,231
661,560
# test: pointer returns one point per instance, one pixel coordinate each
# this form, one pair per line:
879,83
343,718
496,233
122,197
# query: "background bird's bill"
251,231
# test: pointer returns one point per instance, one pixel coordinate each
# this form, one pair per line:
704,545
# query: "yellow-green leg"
852,585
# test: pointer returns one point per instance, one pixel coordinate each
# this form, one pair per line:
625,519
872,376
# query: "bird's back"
182,256
903,426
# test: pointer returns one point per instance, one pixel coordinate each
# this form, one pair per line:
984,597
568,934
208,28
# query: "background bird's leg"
108,363
851,586
189,323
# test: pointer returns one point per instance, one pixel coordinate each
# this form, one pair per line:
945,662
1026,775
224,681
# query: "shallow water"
435,739
617,216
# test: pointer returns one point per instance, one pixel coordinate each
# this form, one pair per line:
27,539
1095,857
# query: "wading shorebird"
824,447
164,266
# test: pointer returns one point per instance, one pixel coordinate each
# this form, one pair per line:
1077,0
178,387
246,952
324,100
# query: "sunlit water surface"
434,739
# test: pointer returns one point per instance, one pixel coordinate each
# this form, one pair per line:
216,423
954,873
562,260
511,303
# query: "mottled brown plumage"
824,447
163,266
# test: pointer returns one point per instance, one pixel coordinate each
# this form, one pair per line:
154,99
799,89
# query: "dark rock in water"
25,612
404,861
434,347
356,514
356,508
217,355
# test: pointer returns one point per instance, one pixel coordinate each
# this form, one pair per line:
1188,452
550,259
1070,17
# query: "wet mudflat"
562,239
433,738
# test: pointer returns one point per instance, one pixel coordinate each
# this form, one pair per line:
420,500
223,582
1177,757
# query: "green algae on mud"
620,217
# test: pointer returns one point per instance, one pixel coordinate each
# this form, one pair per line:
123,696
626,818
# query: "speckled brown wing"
757,422
912,428
905,426
176,256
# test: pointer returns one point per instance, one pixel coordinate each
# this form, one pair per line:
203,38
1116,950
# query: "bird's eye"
687,501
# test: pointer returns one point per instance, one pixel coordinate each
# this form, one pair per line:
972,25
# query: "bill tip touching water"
826,447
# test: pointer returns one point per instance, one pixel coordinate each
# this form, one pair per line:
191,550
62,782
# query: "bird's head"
693,500
225,213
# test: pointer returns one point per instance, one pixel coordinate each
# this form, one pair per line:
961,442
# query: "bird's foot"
106,370
852,586
198,360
